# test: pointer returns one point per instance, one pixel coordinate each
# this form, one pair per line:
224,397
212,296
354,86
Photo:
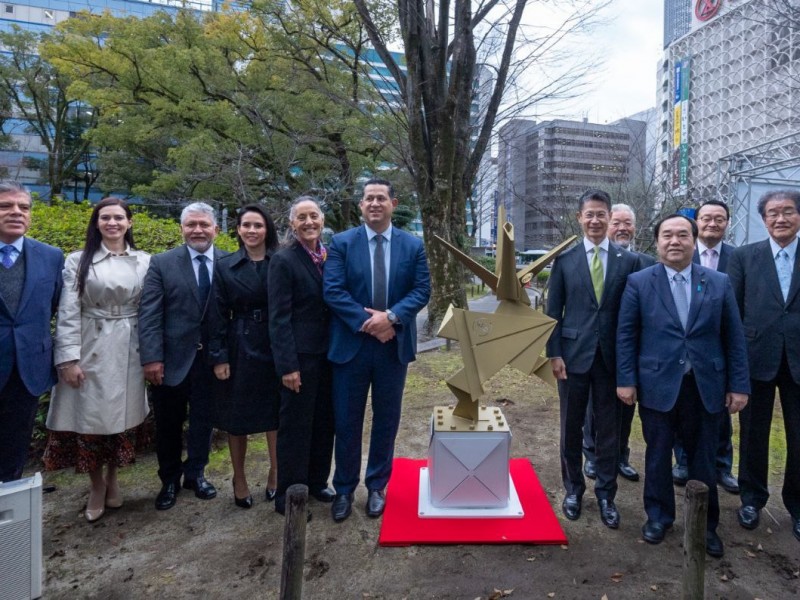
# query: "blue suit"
26,353
724,460
652,350
359,360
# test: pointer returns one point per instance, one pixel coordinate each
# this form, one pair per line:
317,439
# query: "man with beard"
173,340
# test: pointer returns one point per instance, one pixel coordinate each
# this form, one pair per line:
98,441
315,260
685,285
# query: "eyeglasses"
774,215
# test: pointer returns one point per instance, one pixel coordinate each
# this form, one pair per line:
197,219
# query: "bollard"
695,511
294,542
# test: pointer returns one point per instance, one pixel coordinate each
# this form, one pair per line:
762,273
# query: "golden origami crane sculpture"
515,334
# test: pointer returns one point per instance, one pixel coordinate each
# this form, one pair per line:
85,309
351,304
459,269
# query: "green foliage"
543,277
488,262
63,225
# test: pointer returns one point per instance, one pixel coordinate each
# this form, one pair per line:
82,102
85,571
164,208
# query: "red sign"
706,10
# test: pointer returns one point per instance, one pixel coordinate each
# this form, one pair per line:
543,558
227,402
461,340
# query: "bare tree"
441,40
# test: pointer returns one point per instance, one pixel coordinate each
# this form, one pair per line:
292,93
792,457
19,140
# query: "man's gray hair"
10,186
626,208
199,207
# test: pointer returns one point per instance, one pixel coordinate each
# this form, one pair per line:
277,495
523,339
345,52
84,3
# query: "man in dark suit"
375,282
30,285
766,281
173,340
621,231
680,342
712,219
586,284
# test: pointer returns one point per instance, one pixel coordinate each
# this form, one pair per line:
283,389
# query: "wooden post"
294,542
695,510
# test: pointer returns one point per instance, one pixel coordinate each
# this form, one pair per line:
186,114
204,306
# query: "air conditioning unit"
21,539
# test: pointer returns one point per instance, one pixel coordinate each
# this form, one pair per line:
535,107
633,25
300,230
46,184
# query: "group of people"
707,332
286,339
290,339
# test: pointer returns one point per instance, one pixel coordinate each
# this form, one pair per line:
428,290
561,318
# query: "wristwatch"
391,316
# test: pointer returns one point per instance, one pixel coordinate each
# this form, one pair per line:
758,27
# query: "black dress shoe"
796,529
608,513
202,488
269,495
714,545
376,502
748,517
571,507
590,469
342,507
326,495
728,482
680,475
167,496
653,533
627,471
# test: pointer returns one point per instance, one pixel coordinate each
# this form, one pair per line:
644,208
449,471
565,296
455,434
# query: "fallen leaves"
616,577
497,594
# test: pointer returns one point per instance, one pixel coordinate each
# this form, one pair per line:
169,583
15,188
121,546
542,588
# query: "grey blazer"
172,322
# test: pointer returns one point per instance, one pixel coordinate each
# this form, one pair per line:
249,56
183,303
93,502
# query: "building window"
10,8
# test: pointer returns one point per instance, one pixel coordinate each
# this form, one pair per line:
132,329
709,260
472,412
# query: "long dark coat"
248,402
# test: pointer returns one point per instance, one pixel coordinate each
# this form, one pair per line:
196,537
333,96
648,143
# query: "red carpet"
402,527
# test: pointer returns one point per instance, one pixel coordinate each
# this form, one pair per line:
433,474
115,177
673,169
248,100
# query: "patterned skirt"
88,452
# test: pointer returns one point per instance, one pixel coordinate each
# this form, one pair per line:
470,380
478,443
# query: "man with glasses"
711,252
586,285
766,281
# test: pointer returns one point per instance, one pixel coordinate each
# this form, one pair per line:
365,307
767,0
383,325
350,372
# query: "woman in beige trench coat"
100,397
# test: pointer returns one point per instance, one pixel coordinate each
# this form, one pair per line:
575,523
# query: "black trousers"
170,405
699,430
625,425
598,383
305,433
17,415
755,421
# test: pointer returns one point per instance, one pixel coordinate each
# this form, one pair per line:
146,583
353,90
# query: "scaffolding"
774,164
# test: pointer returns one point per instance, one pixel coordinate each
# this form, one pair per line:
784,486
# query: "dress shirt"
17,245
193,254
701,248
589,248
387,251
791,249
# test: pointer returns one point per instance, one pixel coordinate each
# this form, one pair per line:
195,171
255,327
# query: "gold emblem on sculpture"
515,334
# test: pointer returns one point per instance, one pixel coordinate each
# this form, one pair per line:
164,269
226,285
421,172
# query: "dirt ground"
211,549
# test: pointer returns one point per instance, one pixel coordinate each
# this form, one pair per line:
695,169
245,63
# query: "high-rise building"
543,168
730,84
677,19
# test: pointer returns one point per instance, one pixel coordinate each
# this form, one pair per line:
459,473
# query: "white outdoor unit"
21,539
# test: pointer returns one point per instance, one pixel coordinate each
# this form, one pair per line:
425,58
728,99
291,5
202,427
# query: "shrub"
63,225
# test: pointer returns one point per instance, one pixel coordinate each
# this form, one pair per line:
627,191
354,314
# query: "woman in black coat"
247,397
298,318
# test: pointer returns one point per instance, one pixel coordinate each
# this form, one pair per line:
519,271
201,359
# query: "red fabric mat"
402,527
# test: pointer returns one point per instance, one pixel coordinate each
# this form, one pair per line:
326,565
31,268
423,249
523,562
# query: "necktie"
379,275
597,274
710,259
203,279
784,268
6,252
679,294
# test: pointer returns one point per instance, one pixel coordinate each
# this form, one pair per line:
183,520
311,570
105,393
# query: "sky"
630,46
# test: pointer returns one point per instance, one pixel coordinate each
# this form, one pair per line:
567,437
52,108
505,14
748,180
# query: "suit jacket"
724,256
25,339
771,326
347,289
651,342
172,321
645,260
299,319
581,323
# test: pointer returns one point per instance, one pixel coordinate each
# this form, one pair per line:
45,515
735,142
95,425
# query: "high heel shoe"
270,494
246,502
94,514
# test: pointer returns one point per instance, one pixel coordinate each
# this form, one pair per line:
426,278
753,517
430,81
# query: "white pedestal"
21,538
426,510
